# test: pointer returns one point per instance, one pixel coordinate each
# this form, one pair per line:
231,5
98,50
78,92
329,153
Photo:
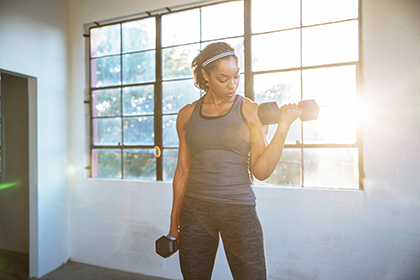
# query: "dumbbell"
269,112
166,245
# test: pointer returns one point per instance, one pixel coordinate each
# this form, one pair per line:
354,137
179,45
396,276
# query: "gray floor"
15,266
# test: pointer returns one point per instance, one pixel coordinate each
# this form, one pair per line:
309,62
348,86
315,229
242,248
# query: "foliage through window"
289,51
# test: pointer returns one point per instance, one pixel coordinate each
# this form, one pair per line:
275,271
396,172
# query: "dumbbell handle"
269,112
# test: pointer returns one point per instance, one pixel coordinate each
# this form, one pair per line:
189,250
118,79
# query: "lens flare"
8,185
157,151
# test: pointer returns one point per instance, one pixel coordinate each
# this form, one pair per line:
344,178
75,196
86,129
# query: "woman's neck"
211,98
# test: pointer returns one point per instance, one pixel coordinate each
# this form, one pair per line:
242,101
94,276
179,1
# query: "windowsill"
258,186
304,188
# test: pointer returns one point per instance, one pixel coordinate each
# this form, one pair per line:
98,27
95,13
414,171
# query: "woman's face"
223,81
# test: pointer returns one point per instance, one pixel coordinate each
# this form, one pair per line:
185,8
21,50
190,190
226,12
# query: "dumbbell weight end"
166,245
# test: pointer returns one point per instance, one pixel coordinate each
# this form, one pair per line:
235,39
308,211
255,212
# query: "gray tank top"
220,154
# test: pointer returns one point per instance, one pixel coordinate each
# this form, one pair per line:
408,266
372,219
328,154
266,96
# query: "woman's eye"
223,81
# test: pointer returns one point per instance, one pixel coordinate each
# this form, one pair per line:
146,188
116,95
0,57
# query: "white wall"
33,42
309,233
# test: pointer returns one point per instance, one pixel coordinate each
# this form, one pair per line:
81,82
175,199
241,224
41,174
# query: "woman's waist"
227,193
208,159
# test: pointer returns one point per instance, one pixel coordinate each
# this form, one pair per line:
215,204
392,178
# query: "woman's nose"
231,84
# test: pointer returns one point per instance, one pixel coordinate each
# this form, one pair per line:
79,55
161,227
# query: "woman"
221,143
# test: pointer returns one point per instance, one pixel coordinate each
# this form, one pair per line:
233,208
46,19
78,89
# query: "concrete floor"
15,266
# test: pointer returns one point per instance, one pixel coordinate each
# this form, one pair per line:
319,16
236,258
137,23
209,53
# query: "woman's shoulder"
250,108
185,113
187,109
249,102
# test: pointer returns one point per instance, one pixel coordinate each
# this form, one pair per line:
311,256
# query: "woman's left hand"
289,113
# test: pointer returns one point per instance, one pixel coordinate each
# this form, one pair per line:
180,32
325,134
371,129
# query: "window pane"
139,164
229,20
106,103
293,135
335,125
330,86
139,131
138,100
331,168
177,94
170,159
106,163
106,131
105,71
321,11
241,88
288,170
180,28
237,44
170,136
270,15
139,67
177,61
283,88
334,89
278,50
331,43
105,40
139,35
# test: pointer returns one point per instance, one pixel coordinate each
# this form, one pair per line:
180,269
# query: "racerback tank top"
220,154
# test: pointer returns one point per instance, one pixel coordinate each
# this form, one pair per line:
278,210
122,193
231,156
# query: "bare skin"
223,83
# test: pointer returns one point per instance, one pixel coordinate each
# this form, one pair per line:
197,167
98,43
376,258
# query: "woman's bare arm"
265,156
182,169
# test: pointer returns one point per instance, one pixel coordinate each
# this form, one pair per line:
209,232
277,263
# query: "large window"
289,51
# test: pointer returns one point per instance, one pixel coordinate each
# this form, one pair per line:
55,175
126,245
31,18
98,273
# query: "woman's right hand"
174,231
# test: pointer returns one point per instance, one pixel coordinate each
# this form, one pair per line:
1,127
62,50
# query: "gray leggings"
241,232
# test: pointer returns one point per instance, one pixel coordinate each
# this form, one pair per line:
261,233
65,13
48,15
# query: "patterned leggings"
241,233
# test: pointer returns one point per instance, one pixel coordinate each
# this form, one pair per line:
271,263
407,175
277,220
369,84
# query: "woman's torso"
220,148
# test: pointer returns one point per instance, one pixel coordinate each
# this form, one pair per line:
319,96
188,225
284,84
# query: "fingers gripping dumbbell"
166,245
269,113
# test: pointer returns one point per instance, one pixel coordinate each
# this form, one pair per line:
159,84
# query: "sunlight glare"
330,43
361,112
320,11
229,21
282,14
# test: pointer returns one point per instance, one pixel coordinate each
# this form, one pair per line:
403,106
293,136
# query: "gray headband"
210,60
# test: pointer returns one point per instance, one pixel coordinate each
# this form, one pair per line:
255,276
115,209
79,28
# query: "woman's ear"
205,76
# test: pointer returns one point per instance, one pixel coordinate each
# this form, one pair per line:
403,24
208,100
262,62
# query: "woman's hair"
209,52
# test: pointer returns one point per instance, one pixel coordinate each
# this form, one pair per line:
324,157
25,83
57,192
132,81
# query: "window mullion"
121,104
158,98
89,168
359,92
249,81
